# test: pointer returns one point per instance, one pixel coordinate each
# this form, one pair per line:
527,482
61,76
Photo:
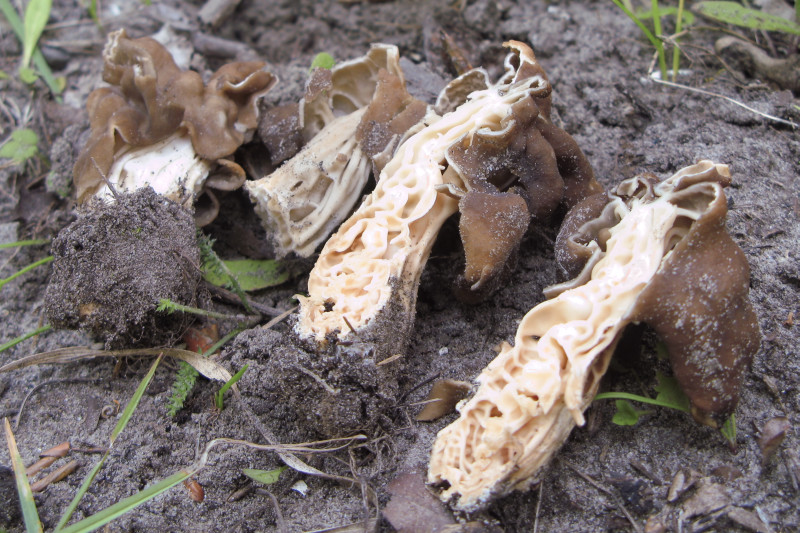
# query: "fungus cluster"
648,252
162,127
496,157
350,120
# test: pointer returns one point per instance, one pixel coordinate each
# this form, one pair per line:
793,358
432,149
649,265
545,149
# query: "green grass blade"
34,242
218,398
38,59
738,15
87,481
105,516
36,15
24,337
29,513
134,402
676,52
123,421
220,343
659,46
26,269
637,398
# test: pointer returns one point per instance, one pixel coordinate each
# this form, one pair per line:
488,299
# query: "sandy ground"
606,477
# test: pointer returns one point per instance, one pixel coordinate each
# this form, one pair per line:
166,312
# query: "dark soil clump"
115,262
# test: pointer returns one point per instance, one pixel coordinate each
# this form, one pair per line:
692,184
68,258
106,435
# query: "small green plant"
745,17
28,32
21,146
656,13
168,306
240,275
181,387
267,477
218,397
187,376
669,394
92,9
322,60
728,430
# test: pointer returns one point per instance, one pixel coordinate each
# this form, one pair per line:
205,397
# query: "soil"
606,477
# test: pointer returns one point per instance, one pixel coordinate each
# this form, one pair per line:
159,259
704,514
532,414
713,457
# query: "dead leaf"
205,366
772,435
748,520
444,396
683,481
726,472
412,508
54,476
709,497
201,339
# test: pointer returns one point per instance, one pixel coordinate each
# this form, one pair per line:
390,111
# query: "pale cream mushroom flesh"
534,392
368,272
306,199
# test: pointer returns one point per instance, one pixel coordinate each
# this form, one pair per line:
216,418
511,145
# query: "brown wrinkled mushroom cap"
528,158
151,99
698,300
659,253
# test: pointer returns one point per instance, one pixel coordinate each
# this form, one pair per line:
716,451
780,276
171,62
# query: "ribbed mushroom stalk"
348,116
488,156
632,243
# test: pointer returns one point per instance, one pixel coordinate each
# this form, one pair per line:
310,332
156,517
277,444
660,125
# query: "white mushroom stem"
171,167
533,393
303,200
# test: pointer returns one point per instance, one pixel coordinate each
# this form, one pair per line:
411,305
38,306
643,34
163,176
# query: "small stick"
617,500
105,180
55,476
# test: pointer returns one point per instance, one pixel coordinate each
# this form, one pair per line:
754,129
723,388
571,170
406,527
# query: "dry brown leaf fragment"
443,397
54,476
748,520
709,497
771,437
684,480
412,508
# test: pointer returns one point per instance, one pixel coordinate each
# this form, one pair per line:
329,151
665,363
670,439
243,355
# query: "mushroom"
648,252
496,157
350,120
162,127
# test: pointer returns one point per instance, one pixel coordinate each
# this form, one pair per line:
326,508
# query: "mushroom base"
338,388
